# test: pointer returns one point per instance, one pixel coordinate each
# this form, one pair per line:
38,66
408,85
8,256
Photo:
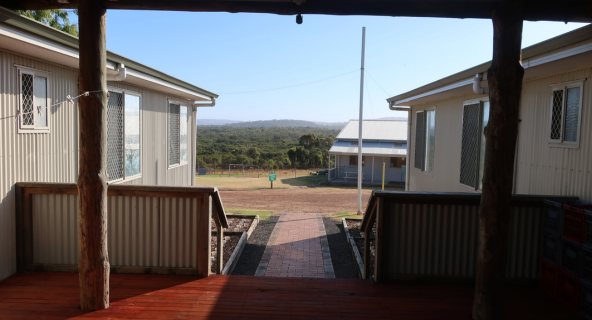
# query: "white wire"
69,99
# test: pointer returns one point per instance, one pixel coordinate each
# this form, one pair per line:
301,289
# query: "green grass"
285,180
263,214
347,215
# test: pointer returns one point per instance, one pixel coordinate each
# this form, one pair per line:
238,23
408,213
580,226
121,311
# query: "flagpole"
360,122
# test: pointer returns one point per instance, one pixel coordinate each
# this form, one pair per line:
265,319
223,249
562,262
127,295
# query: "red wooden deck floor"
43,295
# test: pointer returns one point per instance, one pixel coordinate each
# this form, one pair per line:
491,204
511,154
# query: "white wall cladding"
442,240
48,157
53,157
543,169
155,170
142,231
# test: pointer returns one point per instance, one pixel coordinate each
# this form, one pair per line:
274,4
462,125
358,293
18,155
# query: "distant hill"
214,122
286,123
282,123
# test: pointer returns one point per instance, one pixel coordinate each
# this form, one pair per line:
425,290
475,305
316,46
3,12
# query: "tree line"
267,147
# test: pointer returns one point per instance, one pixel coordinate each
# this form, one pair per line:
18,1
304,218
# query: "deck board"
52,295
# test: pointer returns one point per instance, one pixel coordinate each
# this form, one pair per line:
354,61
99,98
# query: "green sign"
272,177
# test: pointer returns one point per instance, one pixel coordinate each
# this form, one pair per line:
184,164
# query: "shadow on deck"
53,295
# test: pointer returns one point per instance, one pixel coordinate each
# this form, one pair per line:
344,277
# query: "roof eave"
18,21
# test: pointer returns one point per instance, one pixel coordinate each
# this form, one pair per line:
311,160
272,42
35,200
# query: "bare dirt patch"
321,200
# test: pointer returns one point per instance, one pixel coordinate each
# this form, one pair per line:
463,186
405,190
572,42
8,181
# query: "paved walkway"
298,247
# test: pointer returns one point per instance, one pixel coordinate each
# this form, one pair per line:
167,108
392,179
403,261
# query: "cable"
296,85
377,83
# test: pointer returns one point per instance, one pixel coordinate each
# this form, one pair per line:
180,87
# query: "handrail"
450,198
133,190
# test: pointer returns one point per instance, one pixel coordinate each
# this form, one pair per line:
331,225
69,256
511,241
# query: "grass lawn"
283,181
263,214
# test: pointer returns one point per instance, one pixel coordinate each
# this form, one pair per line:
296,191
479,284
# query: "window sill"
28,130
132,178
470,189
564,145
177,165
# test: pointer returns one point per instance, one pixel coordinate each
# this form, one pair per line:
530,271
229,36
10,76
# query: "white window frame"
465,103
32,128
423,169
139,95
564,86
189,149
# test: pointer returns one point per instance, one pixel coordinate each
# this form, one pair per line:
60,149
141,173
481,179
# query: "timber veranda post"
93,261
505,85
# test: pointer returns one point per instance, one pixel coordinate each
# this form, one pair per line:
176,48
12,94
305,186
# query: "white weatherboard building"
554,148
382,141
151,120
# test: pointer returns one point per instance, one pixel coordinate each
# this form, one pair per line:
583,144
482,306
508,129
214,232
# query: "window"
353,160
34,101
397,162
566,110
472,158
123,136
425,140
178,138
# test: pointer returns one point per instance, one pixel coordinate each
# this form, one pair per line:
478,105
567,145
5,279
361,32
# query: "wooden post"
505,86
204,225
220,242
93,261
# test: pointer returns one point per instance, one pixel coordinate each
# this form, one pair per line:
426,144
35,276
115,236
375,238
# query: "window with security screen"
123,136
178,134
33,113
566,110
472,156
425,140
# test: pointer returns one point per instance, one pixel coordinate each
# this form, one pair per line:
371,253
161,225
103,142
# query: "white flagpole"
360,122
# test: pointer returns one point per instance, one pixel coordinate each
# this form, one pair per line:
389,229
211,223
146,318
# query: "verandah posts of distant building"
505,85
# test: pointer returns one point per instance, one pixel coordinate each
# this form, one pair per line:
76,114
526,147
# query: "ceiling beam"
549,10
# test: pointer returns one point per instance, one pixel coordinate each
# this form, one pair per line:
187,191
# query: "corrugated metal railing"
151,229
435,235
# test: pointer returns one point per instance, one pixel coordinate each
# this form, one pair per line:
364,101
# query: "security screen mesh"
27,99
174,130
115,136
469,156
420,140
556,114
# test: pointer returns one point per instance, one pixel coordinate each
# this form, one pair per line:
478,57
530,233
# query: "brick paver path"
297,248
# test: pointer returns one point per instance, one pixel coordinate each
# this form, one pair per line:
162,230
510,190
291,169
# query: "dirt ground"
315,199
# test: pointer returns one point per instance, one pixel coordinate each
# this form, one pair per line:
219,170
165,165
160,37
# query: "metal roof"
382,130
369,148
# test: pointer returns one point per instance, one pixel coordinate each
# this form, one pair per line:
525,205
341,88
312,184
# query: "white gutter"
211,104
477,88
120,76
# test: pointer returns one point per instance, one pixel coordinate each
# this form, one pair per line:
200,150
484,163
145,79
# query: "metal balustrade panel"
442,241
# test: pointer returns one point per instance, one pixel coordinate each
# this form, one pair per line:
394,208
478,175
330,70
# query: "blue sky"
231,53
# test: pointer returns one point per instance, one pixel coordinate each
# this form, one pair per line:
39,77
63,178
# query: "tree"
253,152
55,18
309,141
